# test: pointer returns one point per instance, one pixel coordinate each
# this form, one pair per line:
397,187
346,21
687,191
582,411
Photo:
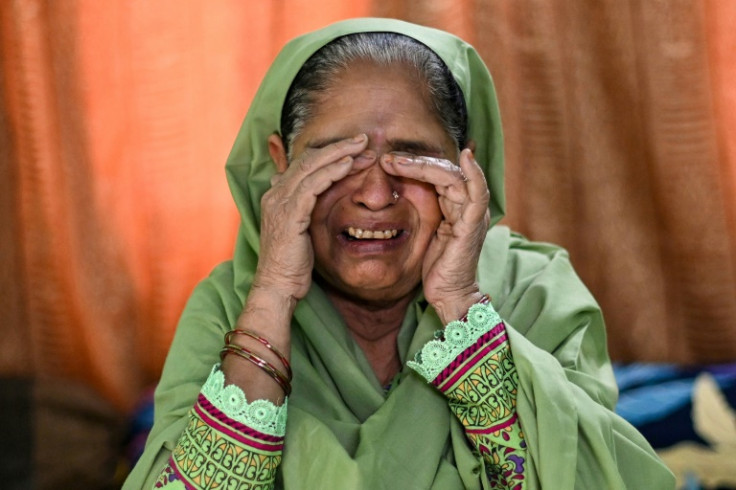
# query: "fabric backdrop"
116,119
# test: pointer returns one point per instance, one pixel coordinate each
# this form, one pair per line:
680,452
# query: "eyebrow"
397,144
415,146
321,143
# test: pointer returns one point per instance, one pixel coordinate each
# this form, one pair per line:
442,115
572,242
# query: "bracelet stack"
283,379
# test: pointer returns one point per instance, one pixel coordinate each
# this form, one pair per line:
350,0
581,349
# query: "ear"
278,153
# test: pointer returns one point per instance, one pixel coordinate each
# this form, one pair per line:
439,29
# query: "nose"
376,191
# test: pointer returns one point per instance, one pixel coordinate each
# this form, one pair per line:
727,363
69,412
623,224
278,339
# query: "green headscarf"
342,430
249,167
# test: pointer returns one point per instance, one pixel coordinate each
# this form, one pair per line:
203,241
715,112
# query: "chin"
371,293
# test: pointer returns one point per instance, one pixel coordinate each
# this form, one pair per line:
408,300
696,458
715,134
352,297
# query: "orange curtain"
116,119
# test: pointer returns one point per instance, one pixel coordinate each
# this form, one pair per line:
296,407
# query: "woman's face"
390,107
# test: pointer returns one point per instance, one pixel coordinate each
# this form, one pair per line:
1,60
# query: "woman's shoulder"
214,297
511,265
516,243
505,249
219,282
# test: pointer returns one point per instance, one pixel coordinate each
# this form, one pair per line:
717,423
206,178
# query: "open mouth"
353,233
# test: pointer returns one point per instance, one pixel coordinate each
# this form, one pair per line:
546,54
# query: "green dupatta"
342,431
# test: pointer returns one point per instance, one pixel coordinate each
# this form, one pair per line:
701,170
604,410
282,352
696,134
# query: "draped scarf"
343,429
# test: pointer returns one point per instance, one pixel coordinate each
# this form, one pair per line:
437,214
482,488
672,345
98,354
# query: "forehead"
386,92
375,77
389,103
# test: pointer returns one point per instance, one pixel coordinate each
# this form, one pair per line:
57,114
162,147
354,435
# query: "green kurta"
342,431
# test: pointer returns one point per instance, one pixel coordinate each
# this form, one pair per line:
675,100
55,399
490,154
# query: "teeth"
371,234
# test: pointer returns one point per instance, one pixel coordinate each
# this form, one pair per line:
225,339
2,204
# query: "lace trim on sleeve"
449,343
261,415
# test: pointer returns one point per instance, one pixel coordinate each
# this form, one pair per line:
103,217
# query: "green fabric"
342,431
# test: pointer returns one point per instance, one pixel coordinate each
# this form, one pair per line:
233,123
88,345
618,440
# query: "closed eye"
415,148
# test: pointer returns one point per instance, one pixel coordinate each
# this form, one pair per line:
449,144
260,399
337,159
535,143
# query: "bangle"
253,335
277,375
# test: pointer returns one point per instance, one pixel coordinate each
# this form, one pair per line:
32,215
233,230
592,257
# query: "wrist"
268,312
267,294
286,287
454,307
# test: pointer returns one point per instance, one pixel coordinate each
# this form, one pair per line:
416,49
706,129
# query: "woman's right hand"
286,255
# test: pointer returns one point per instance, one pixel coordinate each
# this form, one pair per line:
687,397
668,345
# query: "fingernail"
387,158
365,158
357,139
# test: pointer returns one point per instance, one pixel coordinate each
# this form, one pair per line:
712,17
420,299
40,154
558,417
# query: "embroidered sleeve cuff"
457,343
228,441
261,415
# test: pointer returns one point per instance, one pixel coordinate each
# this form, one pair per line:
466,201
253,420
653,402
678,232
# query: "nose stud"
396,196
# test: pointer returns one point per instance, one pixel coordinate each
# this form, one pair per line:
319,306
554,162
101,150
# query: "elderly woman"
426,351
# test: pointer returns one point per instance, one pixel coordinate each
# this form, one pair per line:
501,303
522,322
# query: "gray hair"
383,49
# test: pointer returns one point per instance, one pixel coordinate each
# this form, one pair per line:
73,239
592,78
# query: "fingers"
460,184
293,193
436,171
476,180
363,160
310,187
299,197
313,159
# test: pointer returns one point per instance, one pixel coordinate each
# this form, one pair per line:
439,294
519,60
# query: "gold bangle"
269,346
277,375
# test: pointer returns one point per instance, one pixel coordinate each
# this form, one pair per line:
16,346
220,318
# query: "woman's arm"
471,364
206,429
210,433
534,426
235,430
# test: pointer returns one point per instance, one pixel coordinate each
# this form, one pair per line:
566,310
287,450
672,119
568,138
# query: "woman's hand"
284,271
286,255
451,260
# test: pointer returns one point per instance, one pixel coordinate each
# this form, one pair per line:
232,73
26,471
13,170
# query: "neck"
375,327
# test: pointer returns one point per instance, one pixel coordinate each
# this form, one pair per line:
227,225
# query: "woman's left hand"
451,260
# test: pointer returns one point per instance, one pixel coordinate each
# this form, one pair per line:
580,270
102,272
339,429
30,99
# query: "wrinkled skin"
336,181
